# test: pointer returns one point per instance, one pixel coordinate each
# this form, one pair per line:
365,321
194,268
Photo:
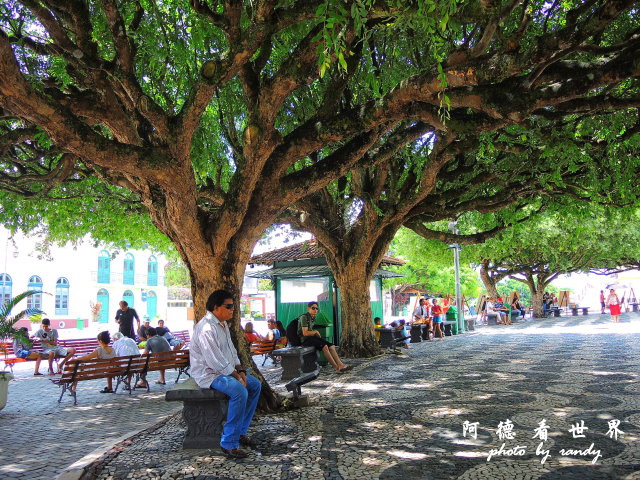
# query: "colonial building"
81,283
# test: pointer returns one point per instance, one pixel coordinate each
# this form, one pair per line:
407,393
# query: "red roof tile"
304,250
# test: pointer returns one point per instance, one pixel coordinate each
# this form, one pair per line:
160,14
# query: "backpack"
292,333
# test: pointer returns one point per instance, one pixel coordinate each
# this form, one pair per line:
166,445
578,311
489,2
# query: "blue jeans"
242,405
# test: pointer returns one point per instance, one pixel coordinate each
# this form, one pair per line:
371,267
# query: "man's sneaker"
234,453
246,441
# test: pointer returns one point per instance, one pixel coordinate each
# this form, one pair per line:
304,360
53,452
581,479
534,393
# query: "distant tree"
574,239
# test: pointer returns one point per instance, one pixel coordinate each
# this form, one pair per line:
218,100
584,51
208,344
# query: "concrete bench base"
574,311
492,318
416,333
204,411
296,361
448,328
470,324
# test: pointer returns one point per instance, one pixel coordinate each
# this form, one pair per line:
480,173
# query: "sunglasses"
314,308
229,306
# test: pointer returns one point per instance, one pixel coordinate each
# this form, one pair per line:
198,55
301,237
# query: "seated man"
49,338
215,364
500,307
125,347
23,349
312,338
250,335
155,344
143,332
421,314
491,310
162,331
399,326
377,323
274,333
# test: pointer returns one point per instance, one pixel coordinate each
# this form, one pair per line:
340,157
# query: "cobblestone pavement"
41,437
391,417
402,416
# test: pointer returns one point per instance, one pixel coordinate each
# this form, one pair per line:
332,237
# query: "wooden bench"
178,359
10,359
204,411
182,335
90,370
266,348
121,369
83,346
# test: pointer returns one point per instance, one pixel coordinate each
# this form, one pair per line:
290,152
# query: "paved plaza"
395,416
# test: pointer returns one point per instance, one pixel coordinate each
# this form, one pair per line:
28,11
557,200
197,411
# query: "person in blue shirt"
274,333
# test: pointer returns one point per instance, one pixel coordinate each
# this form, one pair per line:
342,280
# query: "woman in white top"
614,305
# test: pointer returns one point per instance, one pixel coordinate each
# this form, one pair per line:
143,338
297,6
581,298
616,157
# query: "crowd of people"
147,339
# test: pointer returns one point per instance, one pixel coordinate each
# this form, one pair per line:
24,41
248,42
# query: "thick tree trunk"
220,263
488,281
357,339
536,302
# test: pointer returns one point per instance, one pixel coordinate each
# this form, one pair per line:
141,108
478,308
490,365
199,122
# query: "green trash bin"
452,316
80,323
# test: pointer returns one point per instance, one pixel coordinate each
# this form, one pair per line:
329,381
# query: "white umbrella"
616,286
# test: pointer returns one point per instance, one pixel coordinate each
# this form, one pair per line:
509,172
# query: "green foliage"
265,284
7,321
430,266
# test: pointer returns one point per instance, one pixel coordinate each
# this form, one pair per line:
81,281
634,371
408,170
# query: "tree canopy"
216,116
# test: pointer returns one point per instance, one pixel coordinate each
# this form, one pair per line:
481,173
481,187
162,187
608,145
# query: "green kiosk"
300,274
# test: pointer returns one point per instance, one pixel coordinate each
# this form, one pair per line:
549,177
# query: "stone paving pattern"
400,417
41,437
392,417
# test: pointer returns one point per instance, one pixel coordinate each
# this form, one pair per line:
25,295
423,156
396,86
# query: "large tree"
216,116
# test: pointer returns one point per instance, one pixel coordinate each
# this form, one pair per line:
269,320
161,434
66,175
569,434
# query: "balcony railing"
141,279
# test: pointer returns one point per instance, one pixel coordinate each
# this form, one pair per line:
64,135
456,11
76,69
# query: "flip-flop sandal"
346,369
161,383
106,390
37,374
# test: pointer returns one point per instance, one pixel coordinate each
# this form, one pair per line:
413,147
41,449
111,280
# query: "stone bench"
296,361
470,324
417,332
634,306
492,318
204,411
574,311
448,324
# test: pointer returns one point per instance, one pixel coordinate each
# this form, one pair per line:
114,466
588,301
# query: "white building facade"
82,285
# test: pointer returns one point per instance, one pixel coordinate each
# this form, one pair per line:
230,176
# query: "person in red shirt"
436,312
250,335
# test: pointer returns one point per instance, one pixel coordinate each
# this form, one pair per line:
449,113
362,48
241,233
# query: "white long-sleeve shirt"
211,353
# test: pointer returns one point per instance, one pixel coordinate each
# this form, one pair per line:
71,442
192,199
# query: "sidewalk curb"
78,469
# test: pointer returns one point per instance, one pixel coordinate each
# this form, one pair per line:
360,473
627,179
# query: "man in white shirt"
421,314
215,364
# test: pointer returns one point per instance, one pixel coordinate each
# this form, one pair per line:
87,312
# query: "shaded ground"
401,416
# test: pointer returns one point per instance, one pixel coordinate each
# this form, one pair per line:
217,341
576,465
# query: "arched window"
129,268
103,300
152,271
62,296
35,301
152,304
127,296
6,286
104,267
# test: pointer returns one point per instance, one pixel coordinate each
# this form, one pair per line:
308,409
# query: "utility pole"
453,226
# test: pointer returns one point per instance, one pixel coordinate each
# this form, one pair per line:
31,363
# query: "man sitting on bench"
49,338
312,338
22,349
215,364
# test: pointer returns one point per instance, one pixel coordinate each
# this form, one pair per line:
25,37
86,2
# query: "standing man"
215,364
125,316
602,304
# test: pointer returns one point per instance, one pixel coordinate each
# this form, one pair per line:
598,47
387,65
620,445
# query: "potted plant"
8,333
